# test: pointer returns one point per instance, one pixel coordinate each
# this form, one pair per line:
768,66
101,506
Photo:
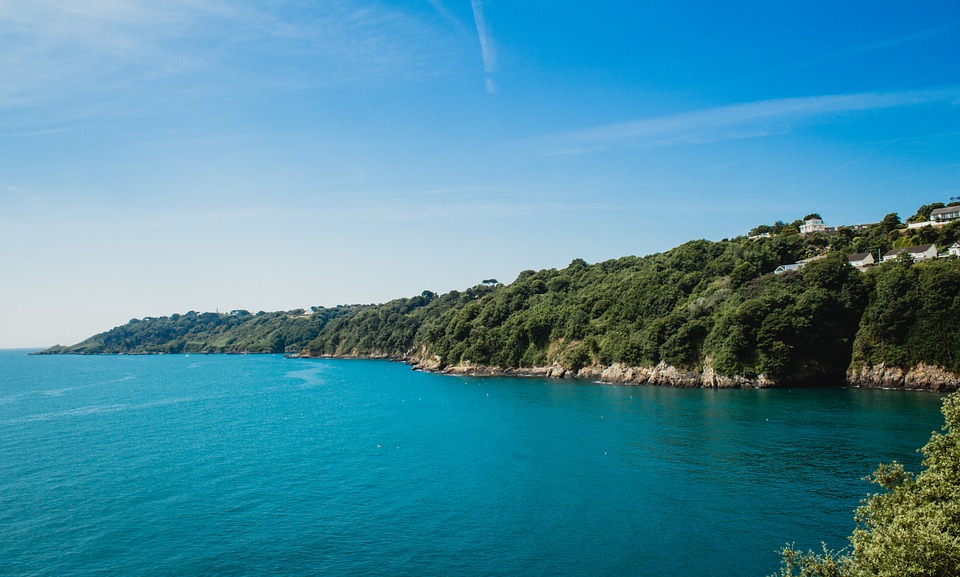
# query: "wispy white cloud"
736,121
50,48
65,50
878,45
383,210
448,16
43,131
487,48
12,189
800,64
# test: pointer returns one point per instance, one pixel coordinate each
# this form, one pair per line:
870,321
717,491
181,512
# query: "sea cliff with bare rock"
921,378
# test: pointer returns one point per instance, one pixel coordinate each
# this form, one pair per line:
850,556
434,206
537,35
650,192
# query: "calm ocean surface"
259,465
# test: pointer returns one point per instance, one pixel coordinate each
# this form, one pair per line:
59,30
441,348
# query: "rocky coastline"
661,375
615,374
923,377
920,378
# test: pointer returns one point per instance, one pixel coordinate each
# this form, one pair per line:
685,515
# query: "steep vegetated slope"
910,331
703,313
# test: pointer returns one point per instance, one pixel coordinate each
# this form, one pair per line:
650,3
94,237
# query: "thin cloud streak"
736,121
50,49
885,44
487,49
13,189
447,15
801,64
383,207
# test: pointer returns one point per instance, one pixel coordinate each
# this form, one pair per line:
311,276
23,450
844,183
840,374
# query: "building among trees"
917,253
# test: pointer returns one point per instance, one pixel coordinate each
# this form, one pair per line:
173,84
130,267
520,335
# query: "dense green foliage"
910,530
701,299
237,332
913,316
698,306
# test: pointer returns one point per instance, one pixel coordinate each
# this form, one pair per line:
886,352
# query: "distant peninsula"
788,304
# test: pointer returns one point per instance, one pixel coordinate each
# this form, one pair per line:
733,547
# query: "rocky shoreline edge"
922,377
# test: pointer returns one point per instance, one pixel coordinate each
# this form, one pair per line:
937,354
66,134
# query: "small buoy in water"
378,446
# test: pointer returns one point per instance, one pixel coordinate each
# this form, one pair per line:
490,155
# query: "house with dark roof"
917,253
954,250
945,214
861,260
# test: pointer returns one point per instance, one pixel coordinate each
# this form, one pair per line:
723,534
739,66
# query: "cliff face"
920,377
667,375
923,377
660,375
909,334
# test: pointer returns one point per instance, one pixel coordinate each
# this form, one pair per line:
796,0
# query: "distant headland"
800,303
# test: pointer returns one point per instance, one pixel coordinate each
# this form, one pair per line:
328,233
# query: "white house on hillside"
861,260
938,217
797,265
917,253
812,225
955,249
785,267
945,214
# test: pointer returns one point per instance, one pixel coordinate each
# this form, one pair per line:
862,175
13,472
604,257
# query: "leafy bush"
912,529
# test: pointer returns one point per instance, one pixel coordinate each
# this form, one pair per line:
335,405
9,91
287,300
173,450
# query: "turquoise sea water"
259,465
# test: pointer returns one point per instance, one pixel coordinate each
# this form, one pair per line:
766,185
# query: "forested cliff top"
703,313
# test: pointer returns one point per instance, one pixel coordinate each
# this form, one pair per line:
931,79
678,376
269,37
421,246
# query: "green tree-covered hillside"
702,306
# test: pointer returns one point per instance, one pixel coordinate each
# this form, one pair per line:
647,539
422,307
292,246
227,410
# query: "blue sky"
159,157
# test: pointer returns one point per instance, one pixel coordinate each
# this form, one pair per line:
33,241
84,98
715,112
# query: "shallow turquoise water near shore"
252,465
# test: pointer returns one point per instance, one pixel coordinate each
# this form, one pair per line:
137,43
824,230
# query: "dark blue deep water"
259,465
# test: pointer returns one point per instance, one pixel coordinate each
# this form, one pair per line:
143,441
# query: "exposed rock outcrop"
470,369
921,377
620,374
667,375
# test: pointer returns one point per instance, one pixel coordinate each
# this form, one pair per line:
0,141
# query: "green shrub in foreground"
912,529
